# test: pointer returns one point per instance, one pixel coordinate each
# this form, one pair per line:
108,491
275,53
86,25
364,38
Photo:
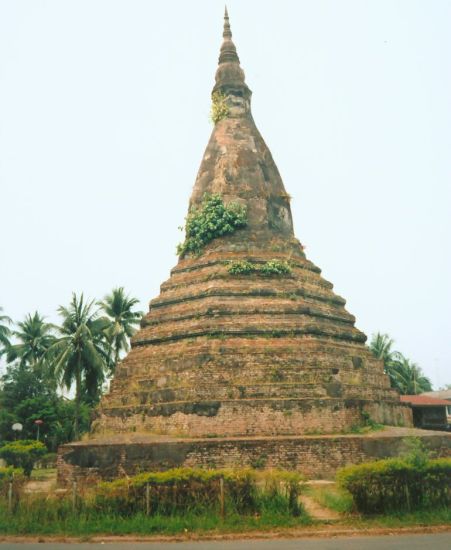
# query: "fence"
172,492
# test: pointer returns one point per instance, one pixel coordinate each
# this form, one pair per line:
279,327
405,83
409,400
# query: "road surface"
440,541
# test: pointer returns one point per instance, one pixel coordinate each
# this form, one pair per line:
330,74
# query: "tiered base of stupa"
316,456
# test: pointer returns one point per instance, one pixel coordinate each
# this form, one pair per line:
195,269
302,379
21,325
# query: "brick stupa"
232,370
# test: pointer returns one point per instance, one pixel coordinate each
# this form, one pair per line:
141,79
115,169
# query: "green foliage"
5,332
242,267
396,485
332,497
123,323
219,107
185,489
405,376
14,475
275,267
34,336
23,454
272,268
80,354
212,220
36,515
26,395
9,473
416,452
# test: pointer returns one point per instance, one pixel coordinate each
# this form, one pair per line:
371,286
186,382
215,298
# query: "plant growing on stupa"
272,268
241,267
219,107
213,219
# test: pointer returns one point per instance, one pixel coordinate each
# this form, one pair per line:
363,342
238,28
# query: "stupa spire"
230,76
227,31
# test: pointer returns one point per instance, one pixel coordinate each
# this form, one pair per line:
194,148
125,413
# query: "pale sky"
104,118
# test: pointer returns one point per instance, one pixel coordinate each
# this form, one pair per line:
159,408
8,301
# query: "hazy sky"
104,119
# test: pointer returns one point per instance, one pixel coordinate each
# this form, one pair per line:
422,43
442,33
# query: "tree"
405,376
23,454
80,354
35,338
124,321
26,396
381,346
408,377
5,332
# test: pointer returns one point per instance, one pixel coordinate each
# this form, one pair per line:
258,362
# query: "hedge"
397,485
186,489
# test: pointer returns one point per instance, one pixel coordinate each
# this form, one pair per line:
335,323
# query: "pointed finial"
227,31
230,75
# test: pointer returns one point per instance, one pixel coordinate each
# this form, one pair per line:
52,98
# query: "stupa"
241,366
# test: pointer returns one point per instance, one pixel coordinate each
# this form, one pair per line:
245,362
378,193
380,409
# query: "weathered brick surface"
315,457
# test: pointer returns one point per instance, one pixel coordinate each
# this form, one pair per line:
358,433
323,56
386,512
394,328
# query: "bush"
9,474
241,267
47,461
275,267
193,490
23,454
398,485
213,219
268,269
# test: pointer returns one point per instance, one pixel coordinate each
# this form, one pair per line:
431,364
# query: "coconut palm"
5,332
80,355
124,322
381,346
34,336
408,378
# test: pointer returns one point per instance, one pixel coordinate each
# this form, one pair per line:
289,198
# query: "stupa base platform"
315,456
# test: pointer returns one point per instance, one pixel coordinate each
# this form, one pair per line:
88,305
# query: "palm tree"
408,377
124,322
381,346
80,354
35,337
5,332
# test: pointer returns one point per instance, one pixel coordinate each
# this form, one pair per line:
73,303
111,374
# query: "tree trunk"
77,402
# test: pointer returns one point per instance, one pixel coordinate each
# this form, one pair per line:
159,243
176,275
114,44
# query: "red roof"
423,400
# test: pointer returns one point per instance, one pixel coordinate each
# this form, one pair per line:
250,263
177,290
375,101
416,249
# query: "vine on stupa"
213,219
219,107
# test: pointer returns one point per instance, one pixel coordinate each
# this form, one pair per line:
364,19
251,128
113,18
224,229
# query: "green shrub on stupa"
272,268
212,220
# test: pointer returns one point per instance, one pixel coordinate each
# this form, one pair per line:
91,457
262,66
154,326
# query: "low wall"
314,456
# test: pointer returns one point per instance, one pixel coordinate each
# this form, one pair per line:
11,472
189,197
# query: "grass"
339,500
42,474
37,520
50,515
332,497
438,516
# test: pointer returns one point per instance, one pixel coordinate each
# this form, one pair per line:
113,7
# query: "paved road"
440,541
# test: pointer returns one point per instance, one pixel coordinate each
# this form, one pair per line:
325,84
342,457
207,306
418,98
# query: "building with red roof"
429,413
